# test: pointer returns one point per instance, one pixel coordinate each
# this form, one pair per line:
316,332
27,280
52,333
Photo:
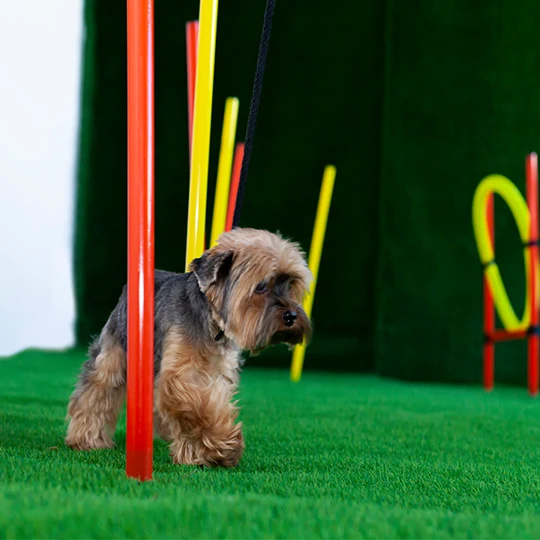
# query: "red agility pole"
493,335
489,312
192,38
235,181
533,337
140,347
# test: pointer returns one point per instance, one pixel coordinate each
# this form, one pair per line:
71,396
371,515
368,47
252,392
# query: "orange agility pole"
489,311
192,38
533,337
140,281
493,335
235,181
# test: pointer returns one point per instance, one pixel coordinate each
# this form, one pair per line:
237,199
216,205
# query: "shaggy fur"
243,294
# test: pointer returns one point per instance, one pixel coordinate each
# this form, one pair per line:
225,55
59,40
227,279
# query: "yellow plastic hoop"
512,196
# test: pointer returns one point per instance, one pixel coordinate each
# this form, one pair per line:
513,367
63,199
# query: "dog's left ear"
211,266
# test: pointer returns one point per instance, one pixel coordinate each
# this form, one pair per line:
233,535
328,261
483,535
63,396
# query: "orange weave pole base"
505,335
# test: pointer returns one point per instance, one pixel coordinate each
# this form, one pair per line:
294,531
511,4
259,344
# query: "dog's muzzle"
289,317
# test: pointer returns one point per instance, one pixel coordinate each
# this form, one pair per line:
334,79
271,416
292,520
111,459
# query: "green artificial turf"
331,457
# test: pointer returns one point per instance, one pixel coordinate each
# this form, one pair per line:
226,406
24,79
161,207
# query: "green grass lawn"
331,457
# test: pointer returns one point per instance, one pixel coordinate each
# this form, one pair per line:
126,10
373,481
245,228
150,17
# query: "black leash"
254,108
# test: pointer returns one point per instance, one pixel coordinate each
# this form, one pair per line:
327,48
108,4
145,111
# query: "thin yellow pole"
202,119
223,183
315,251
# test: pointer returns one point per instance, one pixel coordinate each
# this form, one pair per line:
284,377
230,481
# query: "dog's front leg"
195,408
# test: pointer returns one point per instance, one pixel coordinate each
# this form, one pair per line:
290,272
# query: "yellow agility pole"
315,252
517,204
223,183
202,120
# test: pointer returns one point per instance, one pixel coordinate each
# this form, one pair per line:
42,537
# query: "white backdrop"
40,61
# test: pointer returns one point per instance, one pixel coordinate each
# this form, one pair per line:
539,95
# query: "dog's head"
256,282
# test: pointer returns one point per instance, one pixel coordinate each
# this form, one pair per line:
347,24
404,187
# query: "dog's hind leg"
99,394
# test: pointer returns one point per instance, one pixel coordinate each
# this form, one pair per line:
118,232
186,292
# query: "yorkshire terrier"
244,294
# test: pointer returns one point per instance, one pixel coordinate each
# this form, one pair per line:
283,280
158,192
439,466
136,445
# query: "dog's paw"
89,443
210,451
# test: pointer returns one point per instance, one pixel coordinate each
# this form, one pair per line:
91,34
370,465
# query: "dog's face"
256,282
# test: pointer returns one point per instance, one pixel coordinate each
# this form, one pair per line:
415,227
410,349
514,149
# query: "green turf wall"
461,101
321,103
414,102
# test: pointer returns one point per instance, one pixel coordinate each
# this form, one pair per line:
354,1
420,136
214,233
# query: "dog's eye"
261,288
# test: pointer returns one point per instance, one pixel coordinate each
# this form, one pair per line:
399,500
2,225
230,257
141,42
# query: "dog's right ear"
211,266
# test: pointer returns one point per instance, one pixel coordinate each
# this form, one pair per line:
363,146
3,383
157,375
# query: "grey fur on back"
178,302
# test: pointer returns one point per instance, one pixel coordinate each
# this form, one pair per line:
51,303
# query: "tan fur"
94,406
259,255
194,390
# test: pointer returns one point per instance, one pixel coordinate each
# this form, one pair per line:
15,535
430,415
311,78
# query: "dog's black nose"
289,317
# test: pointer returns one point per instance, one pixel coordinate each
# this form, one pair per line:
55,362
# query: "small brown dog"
243,294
